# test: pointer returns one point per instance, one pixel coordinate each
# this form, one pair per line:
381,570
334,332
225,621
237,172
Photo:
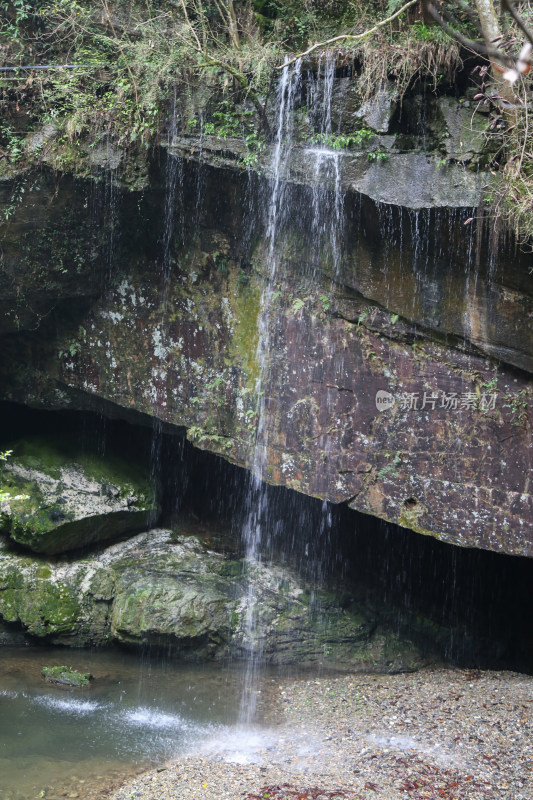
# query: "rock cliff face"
416,303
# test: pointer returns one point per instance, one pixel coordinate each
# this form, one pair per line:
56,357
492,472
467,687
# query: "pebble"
443,733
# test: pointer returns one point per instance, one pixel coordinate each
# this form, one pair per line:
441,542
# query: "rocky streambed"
459,735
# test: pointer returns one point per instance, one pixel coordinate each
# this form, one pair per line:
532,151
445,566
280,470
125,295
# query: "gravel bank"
459,735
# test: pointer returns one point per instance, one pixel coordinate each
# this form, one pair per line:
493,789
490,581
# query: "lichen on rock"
59,497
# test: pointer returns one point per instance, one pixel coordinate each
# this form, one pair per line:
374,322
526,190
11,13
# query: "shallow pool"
61,742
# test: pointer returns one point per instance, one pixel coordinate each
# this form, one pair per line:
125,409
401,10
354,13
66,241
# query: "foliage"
17,195
4,456
233,121
425,33
135,52
519,407
342,141
11,143
378,155
208,437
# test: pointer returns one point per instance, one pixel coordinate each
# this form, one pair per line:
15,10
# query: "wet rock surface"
58,497
417,303
166,590
412,180
51,248
448,456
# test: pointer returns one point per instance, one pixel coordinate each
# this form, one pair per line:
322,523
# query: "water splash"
155,718
69,705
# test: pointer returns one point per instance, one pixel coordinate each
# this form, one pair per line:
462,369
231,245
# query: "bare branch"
518,19
475,46
353,37
191,26
119,44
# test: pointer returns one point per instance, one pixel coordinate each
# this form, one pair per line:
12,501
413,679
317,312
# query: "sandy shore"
435,734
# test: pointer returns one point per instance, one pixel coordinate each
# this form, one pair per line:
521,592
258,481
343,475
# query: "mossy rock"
63,603
66,676
43,608
60,497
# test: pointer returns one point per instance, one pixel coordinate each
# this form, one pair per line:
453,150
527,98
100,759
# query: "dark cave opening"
468,607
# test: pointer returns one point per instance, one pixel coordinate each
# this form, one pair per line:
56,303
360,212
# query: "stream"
57,741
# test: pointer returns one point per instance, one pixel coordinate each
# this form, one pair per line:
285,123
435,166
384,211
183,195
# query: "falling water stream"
287,91
326,232
327,217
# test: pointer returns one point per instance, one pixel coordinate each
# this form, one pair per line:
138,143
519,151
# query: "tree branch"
350,36
243,82
518,19
470,44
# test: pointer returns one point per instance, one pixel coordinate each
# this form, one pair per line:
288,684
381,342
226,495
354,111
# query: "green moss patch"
66,676
60,497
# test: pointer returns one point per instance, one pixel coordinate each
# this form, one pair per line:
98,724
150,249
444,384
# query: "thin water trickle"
327,220
111,223
200,178
287,92
172,230
173,205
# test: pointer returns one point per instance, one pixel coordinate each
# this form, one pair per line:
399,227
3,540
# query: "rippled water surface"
137,712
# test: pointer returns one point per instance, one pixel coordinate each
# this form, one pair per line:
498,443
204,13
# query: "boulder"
58,497
66,676
32,598
167,590
198,603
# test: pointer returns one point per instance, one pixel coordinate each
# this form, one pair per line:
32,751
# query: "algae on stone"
66,676
169,591
71,498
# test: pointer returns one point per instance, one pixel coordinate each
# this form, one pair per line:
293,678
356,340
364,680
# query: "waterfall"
257,510
173,223
326,225
327,216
